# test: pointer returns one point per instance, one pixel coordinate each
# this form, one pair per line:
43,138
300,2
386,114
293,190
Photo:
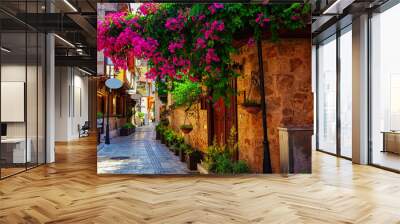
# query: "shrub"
99,115
170,136
240,167
220,158
223,164
185,92
128,125
140,115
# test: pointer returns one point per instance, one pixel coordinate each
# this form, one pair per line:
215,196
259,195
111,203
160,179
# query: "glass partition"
22,88
385,89
346,93
327,96
14,153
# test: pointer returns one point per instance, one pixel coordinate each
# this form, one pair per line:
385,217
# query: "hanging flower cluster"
193,41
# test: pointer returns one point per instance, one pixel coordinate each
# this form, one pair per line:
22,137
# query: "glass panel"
13,86
327,96
346,94
385,114
41,99
32,96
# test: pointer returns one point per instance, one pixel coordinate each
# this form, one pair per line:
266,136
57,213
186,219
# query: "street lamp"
111,83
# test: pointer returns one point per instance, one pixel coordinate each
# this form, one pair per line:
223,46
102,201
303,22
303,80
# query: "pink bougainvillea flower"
217,25
175,24
176,45
259,17
218,5
210,29
213,8
295,18
211,56
251,42
148,8
193,79
200,43
201,17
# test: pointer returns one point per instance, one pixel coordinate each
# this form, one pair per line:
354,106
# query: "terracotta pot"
252,109
182,155
186,130
158,135
192,160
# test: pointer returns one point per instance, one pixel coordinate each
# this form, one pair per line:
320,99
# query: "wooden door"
222,118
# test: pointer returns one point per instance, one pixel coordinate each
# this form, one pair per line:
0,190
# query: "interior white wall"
70,84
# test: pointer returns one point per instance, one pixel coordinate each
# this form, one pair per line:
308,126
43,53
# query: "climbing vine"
192,41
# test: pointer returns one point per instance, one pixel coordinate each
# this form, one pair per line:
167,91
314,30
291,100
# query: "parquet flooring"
70,191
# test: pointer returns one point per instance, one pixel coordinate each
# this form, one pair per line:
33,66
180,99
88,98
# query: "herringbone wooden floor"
69,191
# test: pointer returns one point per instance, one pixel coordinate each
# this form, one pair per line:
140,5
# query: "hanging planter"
186,128
252,106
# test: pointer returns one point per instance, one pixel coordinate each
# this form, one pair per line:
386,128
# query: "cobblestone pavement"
138,153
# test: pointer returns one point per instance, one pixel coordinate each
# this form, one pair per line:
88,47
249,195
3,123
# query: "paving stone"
145,155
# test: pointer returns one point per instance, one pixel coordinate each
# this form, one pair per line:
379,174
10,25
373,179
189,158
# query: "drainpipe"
267,161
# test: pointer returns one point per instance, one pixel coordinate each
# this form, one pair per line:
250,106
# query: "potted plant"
140,115
164,122
159,131
193,157
251,106
170,137
166,132
127,129
182,152
178,142
186,128
186,94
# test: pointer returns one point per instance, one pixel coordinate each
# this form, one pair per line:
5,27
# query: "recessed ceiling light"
84,71
338,6
64,40
5,50
70,5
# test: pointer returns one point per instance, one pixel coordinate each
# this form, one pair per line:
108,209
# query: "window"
346,93
385,89
327,96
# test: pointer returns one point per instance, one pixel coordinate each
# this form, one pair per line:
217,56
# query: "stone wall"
197,138
287,80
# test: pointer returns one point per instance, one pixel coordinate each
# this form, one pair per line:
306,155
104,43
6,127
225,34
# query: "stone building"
288,94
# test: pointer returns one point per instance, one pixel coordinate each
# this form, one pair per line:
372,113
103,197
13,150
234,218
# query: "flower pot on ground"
164,122
160,131
158,135
179,141
186,128
182,152
192,158
176,150
170,137
252,106
162,138
127,129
